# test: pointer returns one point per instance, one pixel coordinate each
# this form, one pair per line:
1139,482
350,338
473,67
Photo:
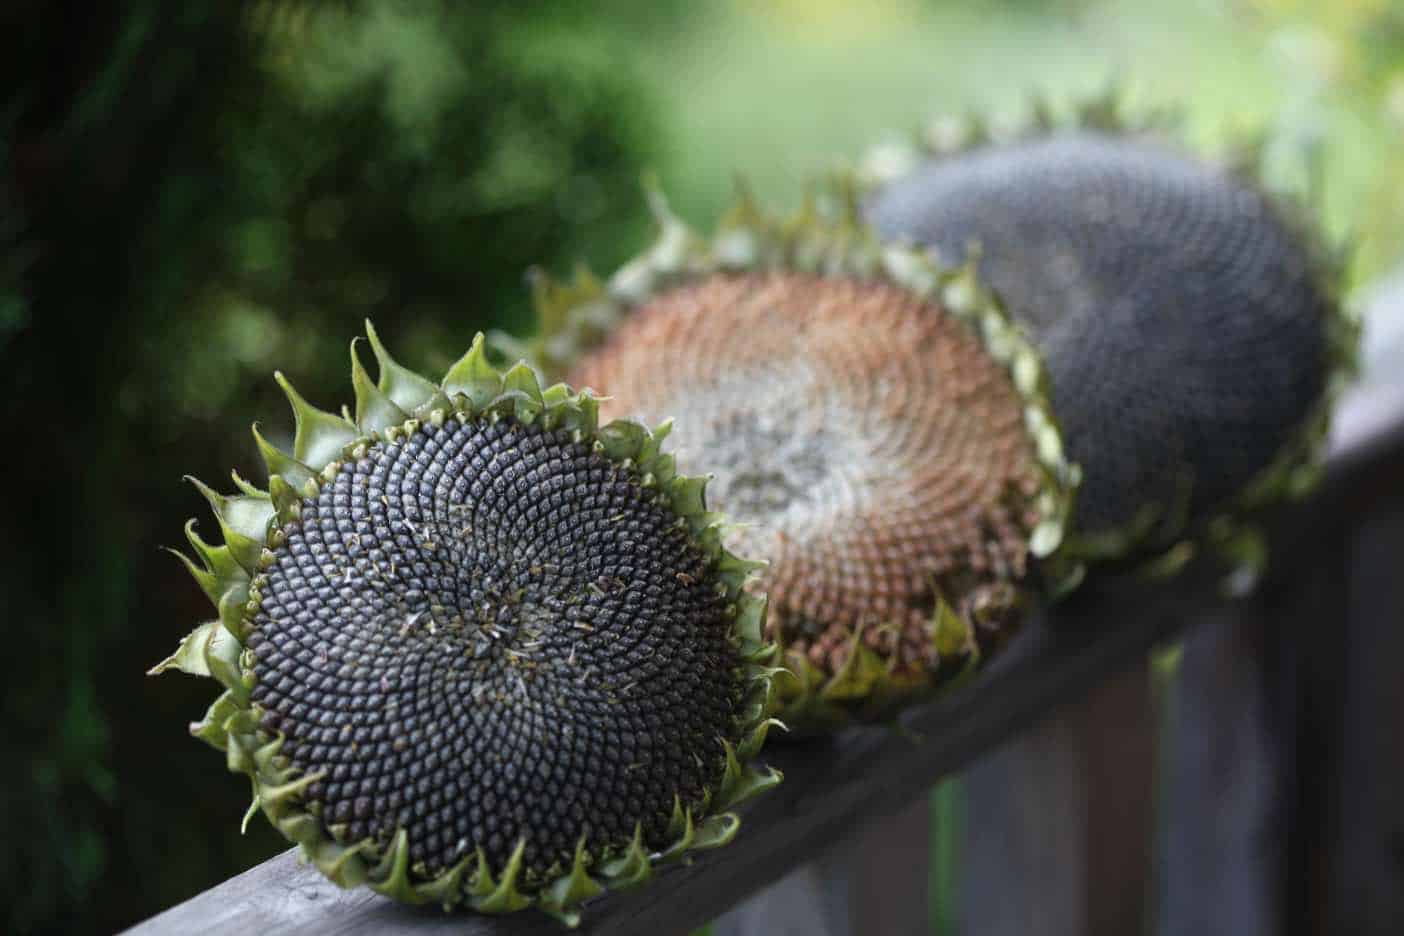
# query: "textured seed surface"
872,445
486,632
1180,318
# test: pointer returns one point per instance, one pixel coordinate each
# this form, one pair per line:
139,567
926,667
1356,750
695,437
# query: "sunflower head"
876,425
1189,312
477,648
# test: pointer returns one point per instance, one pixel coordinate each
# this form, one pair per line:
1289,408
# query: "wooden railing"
1278,807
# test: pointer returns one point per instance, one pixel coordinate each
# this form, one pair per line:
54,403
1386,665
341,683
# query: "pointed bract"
474,377
404,387
278,462
320,436
375,409
243,520
571,891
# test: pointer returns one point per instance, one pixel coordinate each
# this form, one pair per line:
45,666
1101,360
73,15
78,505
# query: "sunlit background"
193,195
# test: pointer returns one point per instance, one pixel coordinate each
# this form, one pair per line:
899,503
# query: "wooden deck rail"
835,787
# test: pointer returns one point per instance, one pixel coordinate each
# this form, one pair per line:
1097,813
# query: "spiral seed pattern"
485,632
875,449
1181,320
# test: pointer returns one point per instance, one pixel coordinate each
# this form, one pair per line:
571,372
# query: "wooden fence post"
870,883
1227,752
1058,827
1365,891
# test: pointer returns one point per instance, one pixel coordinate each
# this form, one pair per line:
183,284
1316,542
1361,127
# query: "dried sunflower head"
875,424
1190,316
478,648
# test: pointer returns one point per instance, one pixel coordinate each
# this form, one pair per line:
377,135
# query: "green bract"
729,336
478,649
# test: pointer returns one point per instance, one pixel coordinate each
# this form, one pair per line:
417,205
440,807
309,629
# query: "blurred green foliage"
192,195
782,89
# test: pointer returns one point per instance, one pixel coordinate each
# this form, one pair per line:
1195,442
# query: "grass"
782,90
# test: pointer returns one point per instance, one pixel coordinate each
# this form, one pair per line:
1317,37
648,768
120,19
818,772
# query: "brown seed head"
875,448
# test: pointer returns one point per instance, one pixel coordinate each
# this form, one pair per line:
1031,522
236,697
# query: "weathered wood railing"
1280,811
